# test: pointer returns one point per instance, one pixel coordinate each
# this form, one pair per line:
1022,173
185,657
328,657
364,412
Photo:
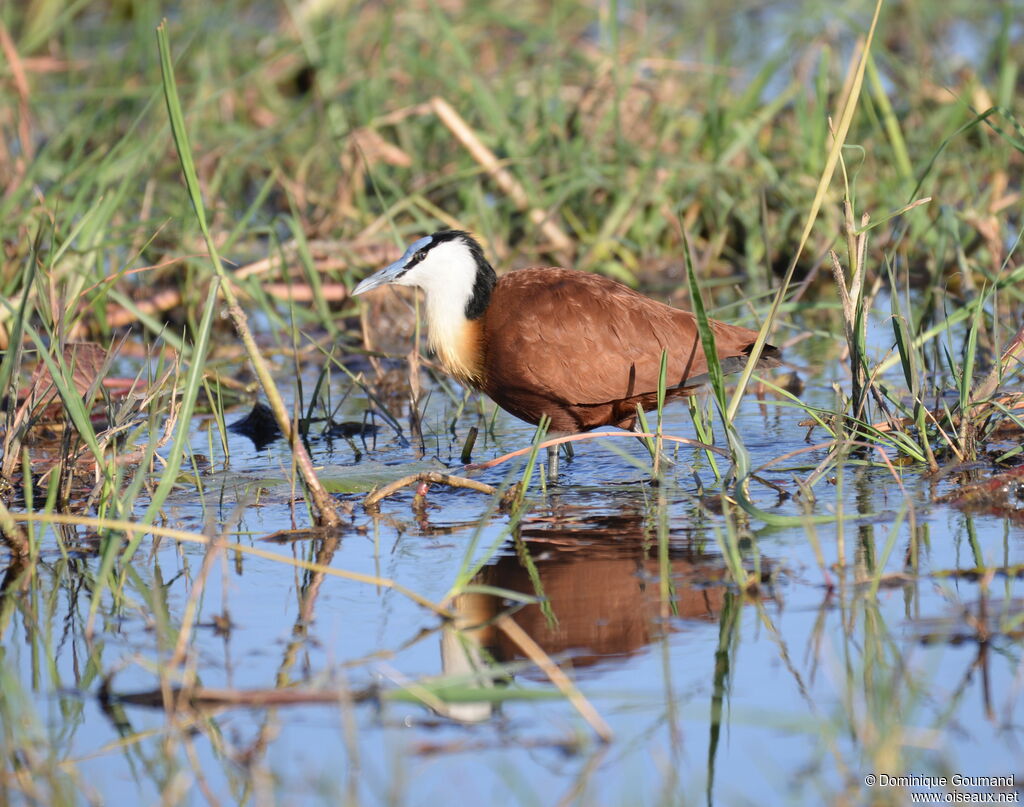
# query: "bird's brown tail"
770,356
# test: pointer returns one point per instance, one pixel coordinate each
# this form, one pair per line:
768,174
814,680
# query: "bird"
578,348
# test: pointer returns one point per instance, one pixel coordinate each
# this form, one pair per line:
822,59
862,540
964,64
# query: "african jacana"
580,348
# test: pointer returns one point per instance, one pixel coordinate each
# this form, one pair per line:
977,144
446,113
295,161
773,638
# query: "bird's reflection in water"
598,578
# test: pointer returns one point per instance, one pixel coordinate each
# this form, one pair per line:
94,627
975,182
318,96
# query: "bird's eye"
419,256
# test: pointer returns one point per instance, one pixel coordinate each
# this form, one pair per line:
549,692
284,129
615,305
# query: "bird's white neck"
447,276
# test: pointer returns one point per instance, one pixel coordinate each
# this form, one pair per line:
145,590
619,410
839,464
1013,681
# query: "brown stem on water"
373,500
209,697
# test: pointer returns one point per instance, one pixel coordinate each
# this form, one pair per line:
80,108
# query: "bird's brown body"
585,350
580,348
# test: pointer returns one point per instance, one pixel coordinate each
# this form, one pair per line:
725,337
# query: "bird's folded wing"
586,339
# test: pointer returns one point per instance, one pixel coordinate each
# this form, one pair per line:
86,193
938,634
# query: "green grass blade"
845,119
189,394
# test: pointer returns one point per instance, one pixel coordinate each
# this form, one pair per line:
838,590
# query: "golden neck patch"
459,346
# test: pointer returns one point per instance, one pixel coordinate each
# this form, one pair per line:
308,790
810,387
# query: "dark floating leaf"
259,426
350,428
291,536
204,697
302,82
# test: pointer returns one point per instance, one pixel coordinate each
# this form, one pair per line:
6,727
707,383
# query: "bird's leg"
553,459
552,464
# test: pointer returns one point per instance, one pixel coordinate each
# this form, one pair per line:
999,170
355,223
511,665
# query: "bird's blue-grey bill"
389,274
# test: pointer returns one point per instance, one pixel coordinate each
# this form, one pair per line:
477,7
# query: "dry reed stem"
131,528
536,654
303,293
1013,352
213,551
372,500
161,301
370,253
844,295
504,180
325,505
831,444
22,89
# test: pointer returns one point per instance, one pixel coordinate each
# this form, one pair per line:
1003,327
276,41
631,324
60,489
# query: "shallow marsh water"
792,693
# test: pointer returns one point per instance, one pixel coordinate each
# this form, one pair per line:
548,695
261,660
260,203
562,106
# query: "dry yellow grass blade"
509,184
536,654
184,536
